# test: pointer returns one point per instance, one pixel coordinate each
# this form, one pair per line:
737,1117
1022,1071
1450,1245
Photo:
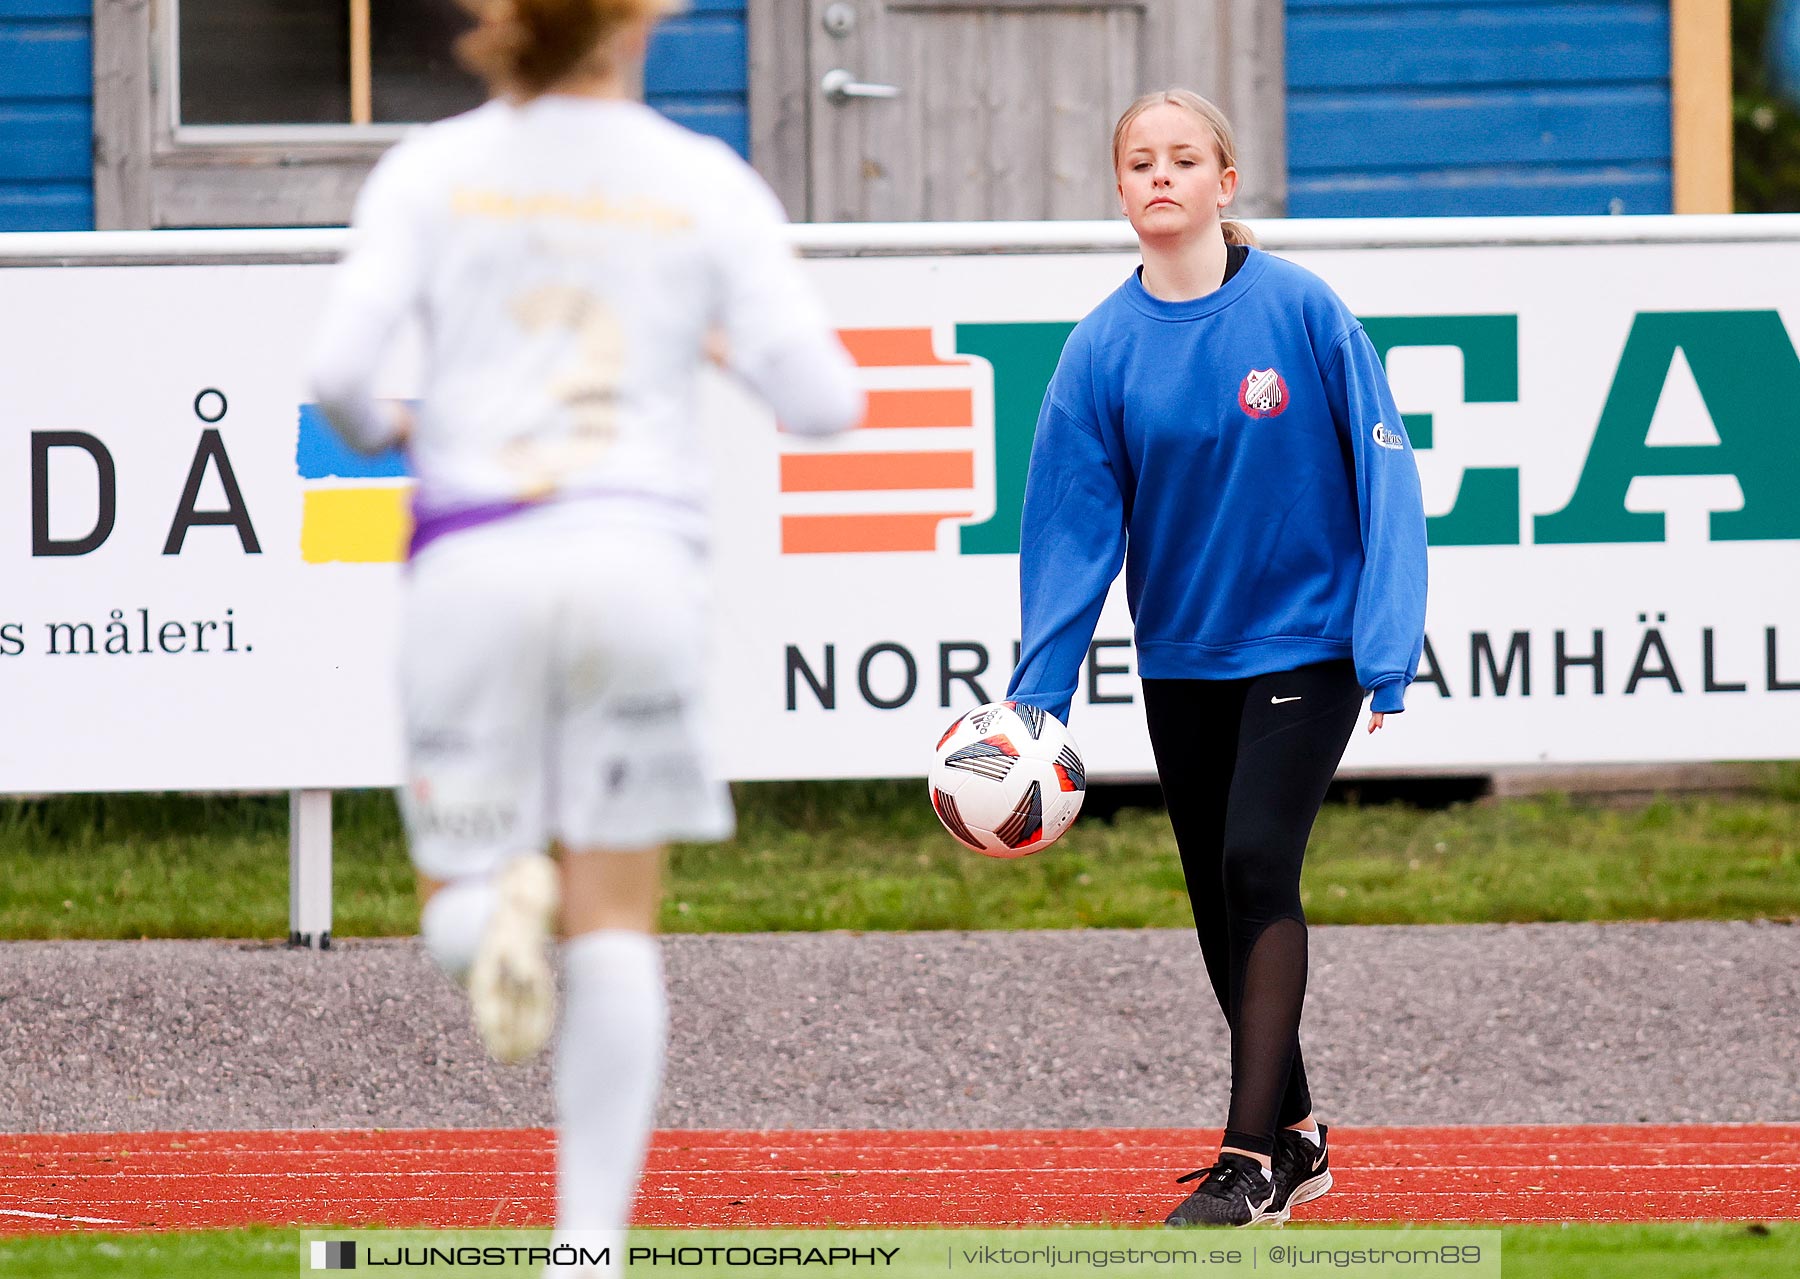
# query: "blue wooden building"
46,115
1481,107
1388,108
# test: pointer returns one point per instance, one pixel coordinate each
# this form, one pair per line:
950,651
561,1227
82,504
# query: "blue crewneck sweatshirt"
1241,455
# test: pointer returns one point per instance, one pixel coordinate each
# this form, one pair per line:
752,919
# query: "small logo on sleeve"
1263,393
1388,439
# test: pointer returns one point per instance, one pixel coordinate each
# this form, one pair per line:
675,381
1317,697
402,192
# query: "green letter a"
1749,378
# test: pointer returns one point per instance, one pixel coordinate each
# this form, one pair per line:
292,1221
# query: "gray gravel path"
1540,1023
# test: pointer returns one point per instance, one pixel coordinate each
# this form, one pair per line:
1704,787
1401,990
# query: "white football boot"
511,985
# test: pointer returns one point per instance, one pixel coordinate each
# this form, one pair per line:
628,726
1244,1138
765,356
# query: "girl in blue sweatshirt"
1222,428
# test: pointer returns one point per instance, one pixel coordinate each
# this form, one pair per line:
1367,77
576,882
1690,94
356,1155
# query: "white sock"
453,920
608,1074
1311,1134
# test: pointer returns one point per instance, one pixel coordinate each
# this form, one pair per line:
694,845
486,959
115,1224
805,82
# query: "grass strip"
1706,1250
870,856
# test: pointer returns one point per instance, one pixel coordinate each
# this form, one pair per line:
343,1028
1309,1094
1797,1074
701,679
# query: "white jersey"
569,258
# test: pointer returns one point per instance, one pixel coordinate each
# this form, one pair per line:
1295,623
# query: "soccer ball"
1007,779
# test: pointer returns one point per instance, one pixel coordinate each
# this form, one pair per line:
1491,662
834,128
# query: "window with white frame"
254,65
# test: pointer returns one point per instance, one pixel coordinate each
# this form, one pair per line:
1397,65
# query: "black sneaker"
1233,1192
1302,1170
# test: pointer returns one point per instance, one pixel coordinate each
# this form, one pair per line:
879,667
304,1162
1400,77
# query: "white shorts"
551,673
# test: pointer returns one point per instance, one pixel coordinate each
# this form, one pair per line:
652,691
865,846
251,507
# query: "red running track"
477,1178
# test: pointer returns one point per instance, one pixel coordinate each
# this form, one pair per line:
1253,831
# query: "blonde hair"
523,47
1224,140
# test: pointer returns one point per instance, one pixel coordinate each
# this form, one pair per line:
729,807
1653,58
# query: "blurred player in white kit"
574,259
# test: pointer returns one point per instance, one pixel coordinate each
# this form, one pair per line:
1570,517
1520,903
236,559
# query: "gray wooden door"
1003,109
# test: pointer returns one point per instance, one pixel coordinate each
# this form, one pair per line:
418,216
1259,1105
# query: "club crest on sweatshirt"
1263,393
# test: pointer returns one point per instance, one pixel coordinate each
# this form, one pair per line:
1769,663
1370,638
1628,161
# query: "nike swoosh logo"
1277,701
1317,1160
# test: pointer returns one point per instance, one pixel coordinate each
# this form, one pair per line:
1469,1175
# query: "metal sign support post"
309,869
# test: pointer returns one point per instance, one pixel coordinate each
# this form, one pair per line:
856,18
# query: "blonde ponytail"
1239,233
524,47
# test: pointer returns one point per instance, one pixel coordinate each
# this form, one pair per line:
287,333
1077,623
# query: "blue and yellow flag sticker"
357,507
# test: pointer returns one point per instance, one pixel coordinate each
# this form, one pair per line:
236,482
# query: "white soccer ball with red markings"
1007,779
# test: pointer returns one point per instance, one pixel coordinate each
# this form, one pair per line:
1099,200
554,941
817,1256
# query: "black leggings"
1244,766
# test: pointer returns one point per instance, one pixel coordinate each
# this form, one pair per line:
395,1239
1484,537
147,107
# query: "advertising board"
202,584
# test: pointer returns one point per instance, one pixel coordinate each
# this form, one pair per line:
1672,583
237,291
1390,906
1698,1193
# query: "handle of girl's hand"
1375,720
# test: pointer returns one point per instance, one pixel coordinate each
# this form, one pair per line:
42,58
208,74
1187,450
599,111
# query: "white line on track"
1365,1194
460,1169
57,1216
1361,1147
540,1174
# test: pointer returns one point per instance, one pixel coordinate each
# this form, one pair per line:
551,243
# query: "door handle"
839,86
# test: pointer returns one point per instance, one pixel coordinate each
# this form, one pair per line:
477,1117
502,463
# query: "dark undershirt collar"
1235,256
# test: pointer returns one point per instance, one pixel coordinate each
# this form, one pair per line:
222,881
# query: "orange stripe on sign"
891,348
814,534
861,472
888,409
